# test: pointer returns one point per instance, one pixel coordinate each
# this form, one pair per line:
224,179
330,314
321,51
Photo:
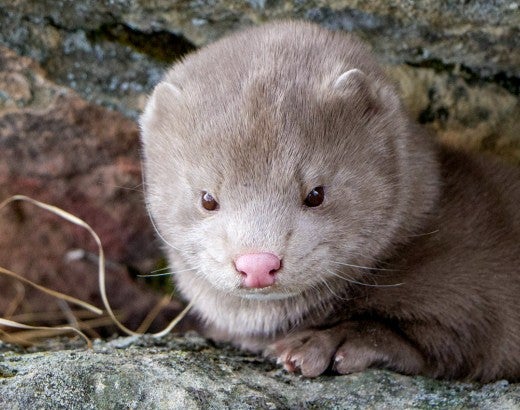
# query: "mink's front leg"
348,347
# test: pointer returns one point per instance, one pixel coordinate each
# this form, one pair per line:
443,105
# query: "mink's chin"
265,294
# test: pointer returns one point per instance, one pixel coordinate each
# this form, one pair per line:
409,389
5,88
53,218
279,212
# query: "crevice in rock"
161,45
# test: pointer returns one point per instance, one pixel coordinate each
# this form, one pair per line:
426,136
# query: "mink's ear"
164,97
357,89
166,92
351,80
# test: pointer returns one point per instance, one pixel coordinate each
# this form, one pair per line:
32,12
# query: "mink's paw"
348,347
309,352
351,357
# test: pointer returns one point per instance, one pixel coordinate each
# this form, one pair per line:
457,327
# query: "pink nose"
258,269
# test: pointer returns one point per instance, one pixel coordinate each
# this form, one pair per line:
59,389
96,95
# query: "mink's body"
307,216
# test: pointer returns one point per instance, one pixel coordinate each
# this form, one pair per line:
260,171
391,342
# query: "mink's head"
275,161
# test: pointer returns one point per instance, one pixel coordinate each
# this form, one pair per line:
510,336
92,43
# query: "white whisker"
364,267
350,280
368,258
159,233
154,225
160,270
423,234
154,275
324,281
129,188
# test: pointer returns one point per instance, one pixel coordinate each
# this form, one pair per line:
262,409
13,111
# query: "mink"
307,216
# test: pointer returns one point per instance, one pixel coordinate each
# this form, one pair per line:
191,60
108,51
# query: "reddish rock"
57,148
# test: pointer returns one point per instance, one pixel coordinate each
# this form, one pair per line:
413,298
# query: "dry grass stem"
31,335
53,316
150,317
32,332
51,292
53,330
20,294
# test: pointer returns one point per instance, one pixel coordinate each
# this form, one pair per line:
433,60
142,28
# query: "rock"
480,35
458,66
83,45
462,59
479,117
60,149
190,373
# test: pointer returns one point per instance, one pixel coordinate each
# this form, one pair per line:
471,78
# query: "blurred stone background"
74,75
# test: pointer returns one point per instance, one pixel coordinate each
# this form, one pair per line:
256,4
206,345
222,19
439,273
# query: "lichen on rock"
190,373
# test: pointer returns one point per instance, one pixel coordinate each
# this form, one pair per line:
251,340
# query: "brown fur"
412,261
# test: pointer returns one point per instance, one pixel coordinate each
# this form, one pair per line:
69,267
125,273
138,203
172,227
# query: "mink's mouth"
263,295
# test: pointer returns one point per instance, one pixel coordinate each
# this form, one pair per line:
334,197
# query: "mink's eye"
208,202
315,197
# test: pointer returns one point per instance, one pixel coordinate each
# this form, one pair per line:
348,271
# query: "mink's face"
277,190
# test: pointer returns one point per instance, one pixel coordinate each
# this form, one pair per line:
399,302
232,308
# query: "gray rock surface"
189,373
480,34
114,52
